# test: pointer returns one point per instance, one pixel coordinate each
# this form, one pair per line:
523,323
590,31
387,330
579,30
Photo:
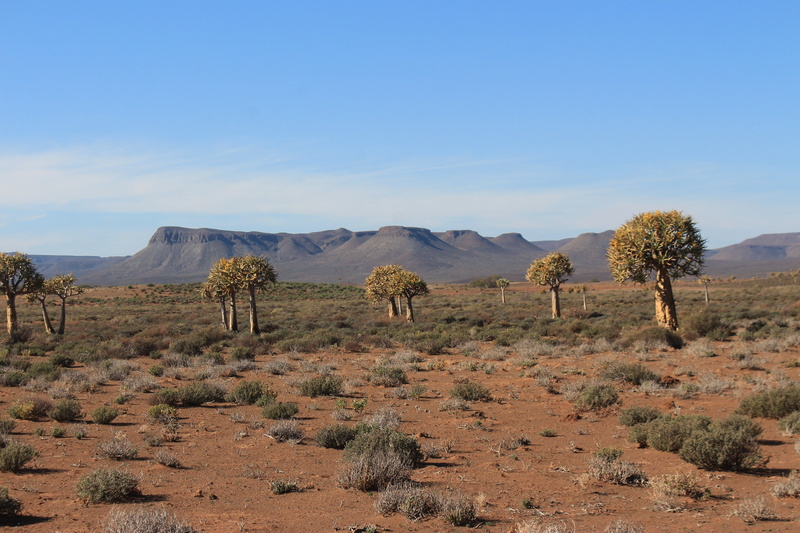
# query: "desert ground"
493,395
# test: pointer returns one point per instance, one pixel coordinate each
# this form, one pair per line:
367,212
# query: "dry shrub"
143,520
623,526
415,503
385,417
604,465
14,455
667,490
375,471
107,485
754,510
167,458
538,526
118,448
8,506
286,431
789,488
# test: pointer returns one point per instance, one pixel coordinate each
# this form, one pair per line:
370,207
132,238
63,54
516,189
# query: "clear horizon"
548,119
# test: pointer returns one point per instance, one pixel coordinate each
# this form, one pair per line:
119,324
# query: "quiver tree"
62,286
411,285
704,281
666,244
212,289
582,290
18,277
502,283
551,271
222,284
381,285
254,274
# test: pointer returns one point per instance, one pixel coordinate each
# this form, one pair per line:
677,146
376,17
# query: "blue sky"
548,118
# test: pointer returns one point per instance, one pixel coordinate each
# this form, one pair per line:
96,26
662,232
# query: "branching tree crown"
667,244
382,284
411,285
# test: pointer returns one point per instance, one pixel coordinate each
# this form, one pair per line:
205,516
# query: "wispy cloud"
491,196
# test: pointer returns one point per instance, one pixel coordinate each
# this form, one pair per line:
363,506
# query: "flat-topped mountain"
180,255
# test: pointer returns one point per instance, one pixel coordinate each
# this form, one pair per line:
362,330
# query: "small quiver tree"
222,284
18,277
666,244
62,286
411,285
551,271
255,274
502,283
704,281
382,285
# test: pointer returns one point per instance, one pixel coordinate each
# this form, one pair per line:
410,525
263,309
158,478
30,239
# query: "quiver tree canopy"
18,276
666,244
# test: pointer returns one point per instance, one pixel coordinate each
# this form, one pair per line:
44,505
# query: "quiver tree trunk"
705,285
224,312
11,314
233,322
48,326
409,311
392,308
666,315
253,311
502,295
555,302
63,321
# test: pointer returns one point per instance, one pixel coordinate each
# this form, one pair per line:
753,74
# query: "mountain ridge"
176,254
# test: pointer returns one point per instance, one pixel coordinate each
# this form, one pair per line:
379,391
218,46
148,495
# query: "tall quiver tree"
255,274
704,281
502,283
411,285
551,271
18,277
382,285
212,289
666,244
40,295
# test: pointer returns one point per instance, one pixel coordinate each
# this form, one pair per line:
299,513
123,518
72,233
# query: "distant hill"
180,255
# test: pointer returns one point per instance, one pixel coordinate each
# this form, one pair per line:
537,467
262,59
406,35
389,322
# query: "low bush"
724,446
789,424
104,415
605,465
107,485
388,376
143,520
470,391
328,385
8,506
336,436
66,410
286,431
162,413
14,455
61,359
118,448
6,427
280,410
653,336
633,416
634,373
668,434
375,471
284,486
596,397
249,392
705,323
166,397
775,403
200,392
381,440
243,353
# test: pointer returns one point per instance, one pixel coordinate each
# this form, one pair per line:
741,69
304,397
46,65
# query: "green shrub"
249,392
60,359
22,410
789,424
634,373
775,403
14,455
723,446
66,410
596,397
705,323
283,486
107,485
280,410
13,378
187,346
200,392
653,335
104,415
156,370
668,434
470,391
44,369
6,427
58,432
162,413
328,385
8,506
166,396
336,436
383,440
633,416
243,353
388,376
